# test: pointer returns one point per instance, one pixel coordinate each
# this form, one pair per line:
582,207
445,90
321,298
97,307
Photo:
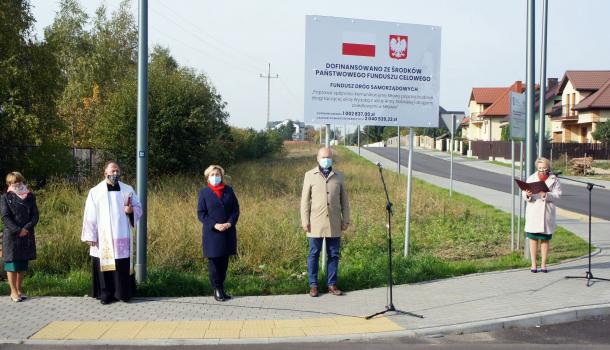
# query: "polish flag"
358,44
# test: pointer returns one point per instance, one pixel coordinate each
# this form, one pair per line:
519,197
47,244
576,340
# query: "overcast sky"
482,43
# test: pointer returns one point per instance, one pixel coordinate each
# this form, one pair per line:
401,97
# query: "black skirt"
112,285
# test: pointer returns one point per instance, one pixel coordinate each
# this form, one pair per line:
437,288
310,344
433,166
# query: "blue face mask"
215,180
326,163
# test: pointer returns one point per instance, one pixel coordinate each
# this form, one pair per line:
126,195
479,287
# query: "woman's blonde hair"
13,177
209,169
543,160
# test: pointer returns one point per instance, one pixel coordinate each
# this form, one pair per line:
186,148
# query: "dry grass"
450,235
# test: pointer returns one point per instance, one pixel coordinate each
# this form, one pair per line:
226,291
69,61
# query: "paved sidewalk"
470,303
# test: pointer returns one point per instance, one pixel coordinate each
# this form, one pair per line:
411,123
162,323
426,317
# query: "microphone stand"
588,275
388,208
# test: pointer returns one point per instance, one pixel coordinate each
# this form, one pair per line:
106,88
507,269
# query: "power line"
220,44
226,55
203,53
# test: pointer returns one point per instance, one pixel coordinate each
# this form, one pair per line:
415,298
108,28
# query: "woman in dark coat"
218,211
19,215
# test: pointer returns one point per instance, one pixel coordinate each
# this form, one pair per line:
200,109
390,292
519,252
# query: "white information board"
371,72
517,115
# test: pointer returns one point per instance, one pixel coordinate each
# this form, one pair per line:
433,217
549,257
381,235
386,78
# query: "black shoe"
106,302
225,296
218,295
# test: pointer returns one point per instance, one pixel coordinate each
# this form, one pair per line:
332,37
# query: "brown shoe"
332,289
313,291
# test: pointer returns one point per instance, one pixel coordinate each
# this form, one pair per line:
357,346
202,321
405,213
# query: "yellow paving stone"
56,330
157,330
190,330
124,330
263,332
577,216
289,323
222,333
350,320
258,324
385,323
320,322
288,332
89,330
226,324
331,330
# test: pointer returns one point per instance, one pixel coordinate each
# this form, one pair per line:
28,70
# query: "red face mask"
543,175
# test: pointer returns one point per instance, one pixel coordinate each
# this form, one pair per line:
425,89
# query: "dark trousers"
112,285
217,270
333,249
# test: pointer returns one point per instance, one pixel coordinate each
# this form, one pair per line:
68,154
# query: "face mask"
326,163
114,178
18,187
215,180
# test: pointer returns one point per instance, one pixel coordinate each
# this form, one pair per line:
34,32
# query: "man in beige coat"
324,216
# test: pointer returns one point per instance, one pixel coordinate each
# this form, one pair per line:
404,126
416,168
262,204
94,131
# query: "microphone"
379,165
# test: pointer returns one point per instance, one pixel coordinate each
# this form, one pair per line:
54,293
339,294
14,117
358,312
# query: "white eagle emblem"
398,46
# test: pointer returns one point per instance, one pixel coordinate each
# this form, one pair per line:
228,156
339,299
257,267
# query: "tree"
28,87
372,133
389,131
94,62
286,130
187,120
432,132
602,133
505,133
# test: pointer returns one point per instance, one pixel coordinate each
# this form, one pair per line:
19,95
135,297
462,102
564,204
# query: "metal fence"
501,149
80,162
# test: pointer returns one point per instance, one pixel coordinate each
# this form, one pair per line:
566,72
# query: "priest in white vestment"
111,211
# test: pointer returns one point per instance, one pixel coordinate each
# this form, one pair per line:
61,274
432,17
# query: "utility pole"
530,142
541,98
269,77
142,141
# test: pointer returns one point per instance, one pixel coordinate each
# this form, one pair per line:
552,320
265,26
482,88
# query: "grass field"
450,236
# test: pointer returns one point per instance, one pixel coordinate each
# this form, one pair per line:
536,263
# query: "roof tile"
599,99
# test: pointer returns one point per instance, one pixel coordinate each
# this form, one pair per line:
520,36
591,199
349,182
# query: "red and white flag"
358,44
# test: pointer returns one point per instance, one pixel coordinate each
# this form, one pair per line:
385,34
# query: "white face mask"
326,163
214,180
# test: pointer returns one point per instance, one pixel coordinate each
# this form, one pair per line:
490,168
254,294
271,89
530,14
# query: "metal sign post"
451,151
517,131
358,139
520,195
512,196
409,191
449,119
398,148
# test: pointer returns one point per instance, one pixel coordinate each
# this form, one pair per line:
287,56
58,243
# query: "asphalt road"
574,198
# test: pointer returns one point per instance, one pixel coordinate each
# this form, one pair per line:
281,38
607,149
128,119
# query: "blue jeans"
333,247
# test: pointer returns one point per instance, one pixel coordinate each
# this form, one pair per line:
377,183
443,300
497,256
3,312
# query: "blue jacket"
212,210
